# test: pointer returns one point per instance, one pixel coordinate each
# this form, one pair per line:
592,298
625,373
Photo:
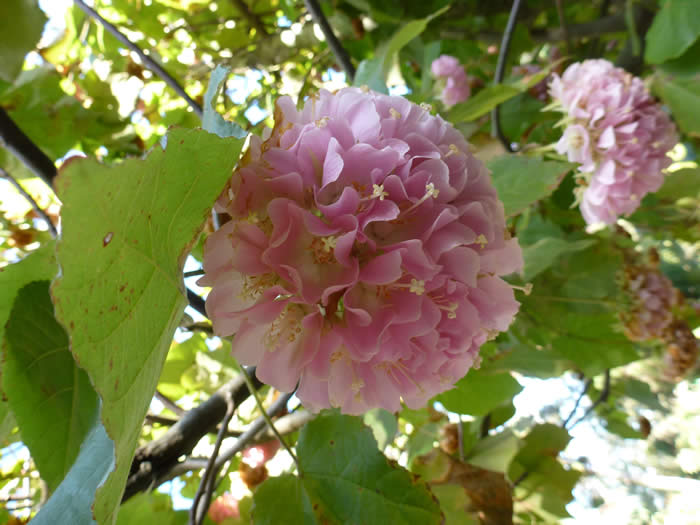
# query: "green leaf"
454,502
683,97
21,24
481,103
347,480
545,252
151,508
126,233
37,266
282,500
591,342
467,396
373,72
675,28
384,426
41,377
543,442
521,181
682,183
495,452
73,499
211,120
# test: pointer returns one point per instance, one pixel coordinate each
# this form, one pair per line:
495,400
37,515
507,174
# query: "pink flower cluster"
456,88
364,254
223,508
617,132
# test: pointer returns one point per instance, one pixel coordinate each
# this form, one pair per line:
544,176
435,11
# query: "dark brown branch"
500,72
147,61
25,150
250,17
31,201
339,51
154,460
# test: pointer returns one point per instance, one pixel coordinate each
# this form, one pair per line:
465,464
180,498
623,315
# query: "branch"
31,200
25,150
253,429
338,50
604,394
496,130
578,401
147,61
251,18
157,458
196,302
202,499
169,403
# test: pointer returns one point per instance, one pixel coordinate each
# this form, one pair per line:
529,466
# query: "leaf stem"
268,419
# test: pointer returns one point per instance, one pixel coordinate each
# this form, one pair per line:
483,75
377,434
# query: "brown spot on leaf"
107,239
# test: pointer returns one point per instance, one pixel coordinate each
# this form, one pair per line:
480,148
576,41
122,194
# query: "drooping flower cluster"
456,87
364,254
653,314
617,132
223,508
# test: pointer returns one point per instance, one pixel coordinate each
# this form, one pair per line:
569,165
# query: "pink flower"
262,453
223,508
364,256
617,132
456,87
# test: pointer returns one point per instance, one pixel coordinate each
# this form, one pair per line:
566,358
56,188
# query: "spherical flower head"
617,132
456,85
224,507
364,256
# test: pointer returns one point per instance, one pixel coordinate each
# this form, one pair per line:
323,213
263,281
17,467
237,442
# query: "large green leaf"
73,499
348,481
481,103
126,232
21,24
521,181
675,28
683,97
541,255
283,500
37,266
373,72
468,395
41,377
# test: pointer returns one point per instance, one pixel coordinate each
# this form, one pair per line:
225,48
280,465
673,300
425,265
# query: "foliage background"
82,358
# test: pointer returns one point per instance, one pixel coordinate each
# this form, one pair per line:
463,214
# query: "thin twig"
31,201
578,401
270,424
22,147
338,50
147,61
562,24
193,273
601,398
169,403
202,499
253,429
496,130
